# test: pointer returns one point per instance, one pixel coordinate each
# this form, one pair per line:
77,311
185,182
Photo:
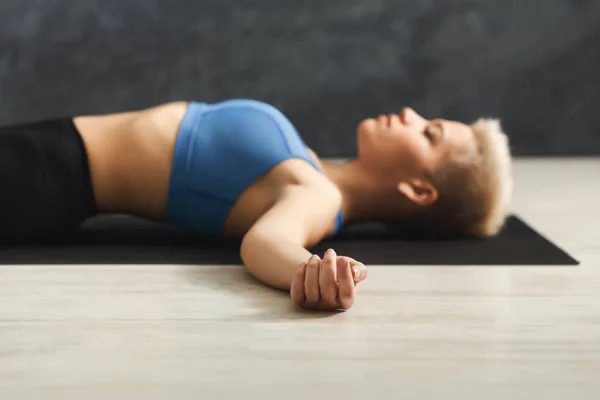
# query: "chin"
367,149
363,131
366,128
367,125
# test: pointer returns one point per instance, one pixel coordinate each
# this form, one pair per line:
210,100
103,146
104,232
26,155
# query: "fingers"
327,280
359,270
327,284
347,288
311,282
297,288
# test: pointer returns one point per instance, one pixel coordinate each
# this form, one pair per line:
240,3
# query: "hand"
327,284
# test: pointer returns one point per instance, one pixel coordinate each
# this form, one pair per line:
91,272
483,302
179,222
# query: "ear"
419,191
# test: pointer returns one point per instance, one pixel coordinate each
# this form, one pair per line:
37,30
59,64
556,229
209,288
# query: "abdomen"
130,157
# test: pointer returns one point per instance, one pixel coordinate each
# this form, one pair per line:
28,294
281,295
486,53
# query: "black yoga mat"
128,240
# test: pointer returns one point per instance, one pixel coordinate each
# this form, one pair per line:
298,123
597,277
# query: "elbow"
245,246
258,258
249,250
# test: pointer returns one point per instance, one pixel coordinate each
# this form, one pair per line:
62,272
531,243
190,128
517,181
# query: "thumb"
359,271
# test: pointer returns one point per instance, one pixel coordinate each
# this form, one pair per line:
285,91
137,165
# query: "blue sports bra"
221,149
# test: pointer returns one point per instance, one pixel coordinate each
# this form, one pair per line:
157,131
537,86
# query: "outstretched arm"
275,249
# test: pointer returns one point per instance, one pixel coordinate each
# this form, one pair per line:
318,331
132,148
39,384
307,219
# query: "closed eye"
429,134
434,133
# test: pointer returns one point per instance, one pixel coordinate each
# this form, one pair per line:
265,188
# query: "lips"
387,119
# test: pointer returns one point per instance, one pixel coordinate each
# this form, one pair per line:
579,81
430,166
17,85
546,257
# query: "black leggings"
45,185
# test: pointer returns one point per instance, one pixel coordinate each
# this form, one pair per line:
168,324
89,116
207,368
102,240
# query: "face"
400,148
406,144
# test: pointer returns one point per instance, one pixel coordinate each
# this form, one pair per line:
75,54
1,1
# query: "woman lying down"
239,169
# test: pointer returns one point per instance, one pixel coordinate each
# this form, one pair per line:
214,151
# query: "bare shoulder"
315,157
304,212
314,196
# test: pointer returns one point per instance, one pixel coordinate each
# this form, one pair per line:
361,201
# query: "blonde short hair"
474,187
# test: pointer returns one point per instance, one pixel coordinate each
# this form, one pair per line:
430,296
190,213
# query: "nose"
406,115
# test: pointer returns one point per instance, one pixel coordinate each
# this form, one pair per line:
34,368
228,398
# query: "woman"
239,169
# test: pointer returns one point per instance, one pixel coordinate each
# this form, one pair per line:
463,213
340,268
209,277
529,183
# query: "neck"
364,197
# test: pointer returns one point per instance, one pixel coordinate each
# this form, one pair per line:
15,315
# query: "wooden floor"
190,332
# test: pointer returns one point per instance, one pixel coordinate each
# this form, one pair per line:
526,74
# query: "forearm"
274,264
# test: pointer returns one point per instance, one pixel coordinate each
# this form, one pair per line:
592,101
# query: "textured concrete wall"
327,64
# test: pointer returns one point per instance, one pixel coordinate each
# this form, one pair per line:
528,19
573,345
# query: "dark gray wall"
327,64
